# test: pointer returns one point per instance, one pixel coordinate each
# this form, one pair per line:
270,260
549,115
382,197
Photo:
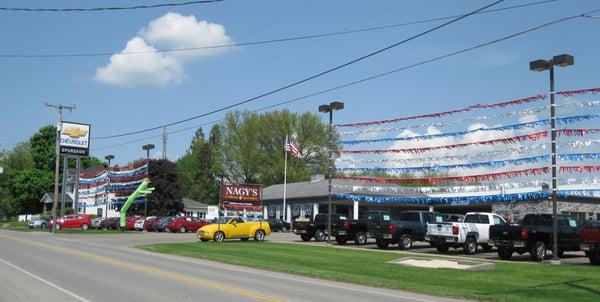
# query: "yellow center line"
152,271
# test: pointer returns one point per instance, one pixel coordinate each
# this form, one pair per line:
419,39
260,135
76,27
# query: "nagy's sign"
241,193
75,139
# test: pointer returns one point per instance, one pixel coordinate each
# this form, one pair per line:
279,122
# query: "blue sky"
130,97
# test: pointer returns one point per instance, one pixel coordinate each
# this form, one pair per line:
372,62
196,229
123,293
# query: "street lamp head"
539,65
148,147
109,157
324,108
336,105
563,60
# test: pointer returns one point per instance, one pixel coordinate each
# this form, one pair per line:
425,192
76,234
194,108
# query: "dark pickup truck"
410,226
342,228
534,235
590,237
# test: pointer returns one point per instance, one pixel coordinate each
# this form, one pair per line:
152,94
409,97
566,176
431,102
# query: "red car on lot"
186,224
149,226
131,221
75,221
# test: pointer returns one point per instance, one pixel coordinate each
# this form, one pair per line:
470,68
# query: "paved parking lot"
423,248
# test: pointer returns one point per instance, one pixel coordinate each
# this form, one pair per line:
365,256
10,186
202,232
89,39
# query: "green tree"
166,198
27,188
253,146
43,148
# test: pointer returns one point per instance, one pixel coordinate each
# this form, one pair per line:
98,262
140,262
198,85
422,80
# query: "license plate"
342,232
585,247
387,235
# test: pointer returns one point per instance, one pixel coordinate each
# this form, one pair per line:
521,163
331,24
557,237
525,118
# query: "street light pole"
541,65
329,109
146,147
108,158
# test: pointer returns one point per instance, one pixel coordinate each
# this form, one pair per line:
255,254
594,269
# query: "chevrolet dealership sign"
75,139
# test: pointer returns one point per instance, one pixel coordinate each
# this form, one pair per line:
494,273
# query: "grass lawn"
508,282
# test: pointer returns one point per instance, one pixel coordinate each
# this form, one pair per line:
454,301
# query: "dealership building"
306,199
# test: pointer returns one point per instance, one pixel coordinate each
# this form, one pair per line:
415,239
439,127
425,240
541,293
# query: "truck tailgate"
505,232
439,229
591,234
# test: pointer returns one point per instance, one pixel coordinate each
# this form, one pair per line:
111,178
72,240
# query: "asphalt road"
44,267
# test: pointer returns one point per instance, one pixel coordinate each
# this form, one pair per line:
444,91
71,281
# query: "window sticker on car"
572,223
439,219
386,217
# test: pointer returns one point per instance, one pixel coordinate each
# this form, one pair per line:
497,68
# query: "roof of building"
48,197
189,203
318,189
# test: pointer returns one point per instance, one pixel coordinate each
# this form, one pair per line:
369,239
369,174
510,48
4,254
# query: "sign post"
74,143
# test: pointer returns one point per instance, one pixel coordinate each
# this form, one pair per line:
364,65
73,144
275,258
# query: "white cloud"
171,31
149,68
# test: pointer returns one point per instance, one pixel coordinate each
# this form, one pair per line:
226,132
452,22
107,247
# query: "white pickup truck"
473,231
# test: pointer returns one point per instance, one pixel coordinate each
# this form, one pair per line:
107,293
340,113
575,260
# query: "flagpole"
285,176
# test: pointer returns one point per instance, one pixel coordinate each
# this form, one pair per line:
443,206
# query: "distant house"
48,201
194,208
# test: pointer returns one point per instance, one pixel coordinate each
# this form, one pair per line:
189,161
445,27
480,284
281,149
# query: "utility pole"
164,141
59,108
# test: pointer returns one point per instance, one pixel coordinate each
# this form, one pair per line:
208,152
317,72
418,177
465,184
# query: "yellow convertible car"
235,228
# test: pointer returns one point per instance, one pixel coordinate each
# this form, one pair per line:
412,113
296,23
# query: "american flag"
290,147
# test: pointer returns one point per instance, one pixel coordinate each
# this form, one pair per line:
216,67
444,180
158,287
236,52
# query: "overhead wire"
320,74
376,76
95,9
270,41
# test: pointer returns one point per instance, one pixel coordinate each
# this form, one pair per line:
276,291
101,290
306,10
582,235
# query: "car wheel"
58,226
283,229
486,247
44,225
442,248
470,246
219,236
341,240
182,230
594,258
84,227
305,237
538,251
319,236
360,238
259,235
406,242
382,244
505,253
561,253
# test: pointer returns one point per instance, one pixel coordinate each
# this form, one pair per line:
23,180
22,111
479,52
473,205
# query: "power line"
95,9
514,35
320,74
271,41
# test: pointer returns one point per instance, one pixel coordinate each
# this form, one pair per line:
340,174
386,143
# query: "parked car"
73,222
278,225
161,224
185,224
534,235
111,223
97,223
139,224
149,226
473,231
130,222
411,226
590,237
41,222
235,228
342,228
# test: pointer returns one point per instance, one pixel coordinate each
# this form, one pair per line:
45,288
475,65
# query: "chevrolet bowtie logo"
75,132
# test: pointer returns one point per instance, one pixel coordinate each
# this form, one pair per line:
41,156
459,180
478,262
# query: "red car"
186,224
131,221
150,223
75,221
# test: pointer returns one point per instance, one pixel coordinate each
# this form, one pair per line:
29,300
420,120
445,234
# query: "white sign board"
212,212
75,139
